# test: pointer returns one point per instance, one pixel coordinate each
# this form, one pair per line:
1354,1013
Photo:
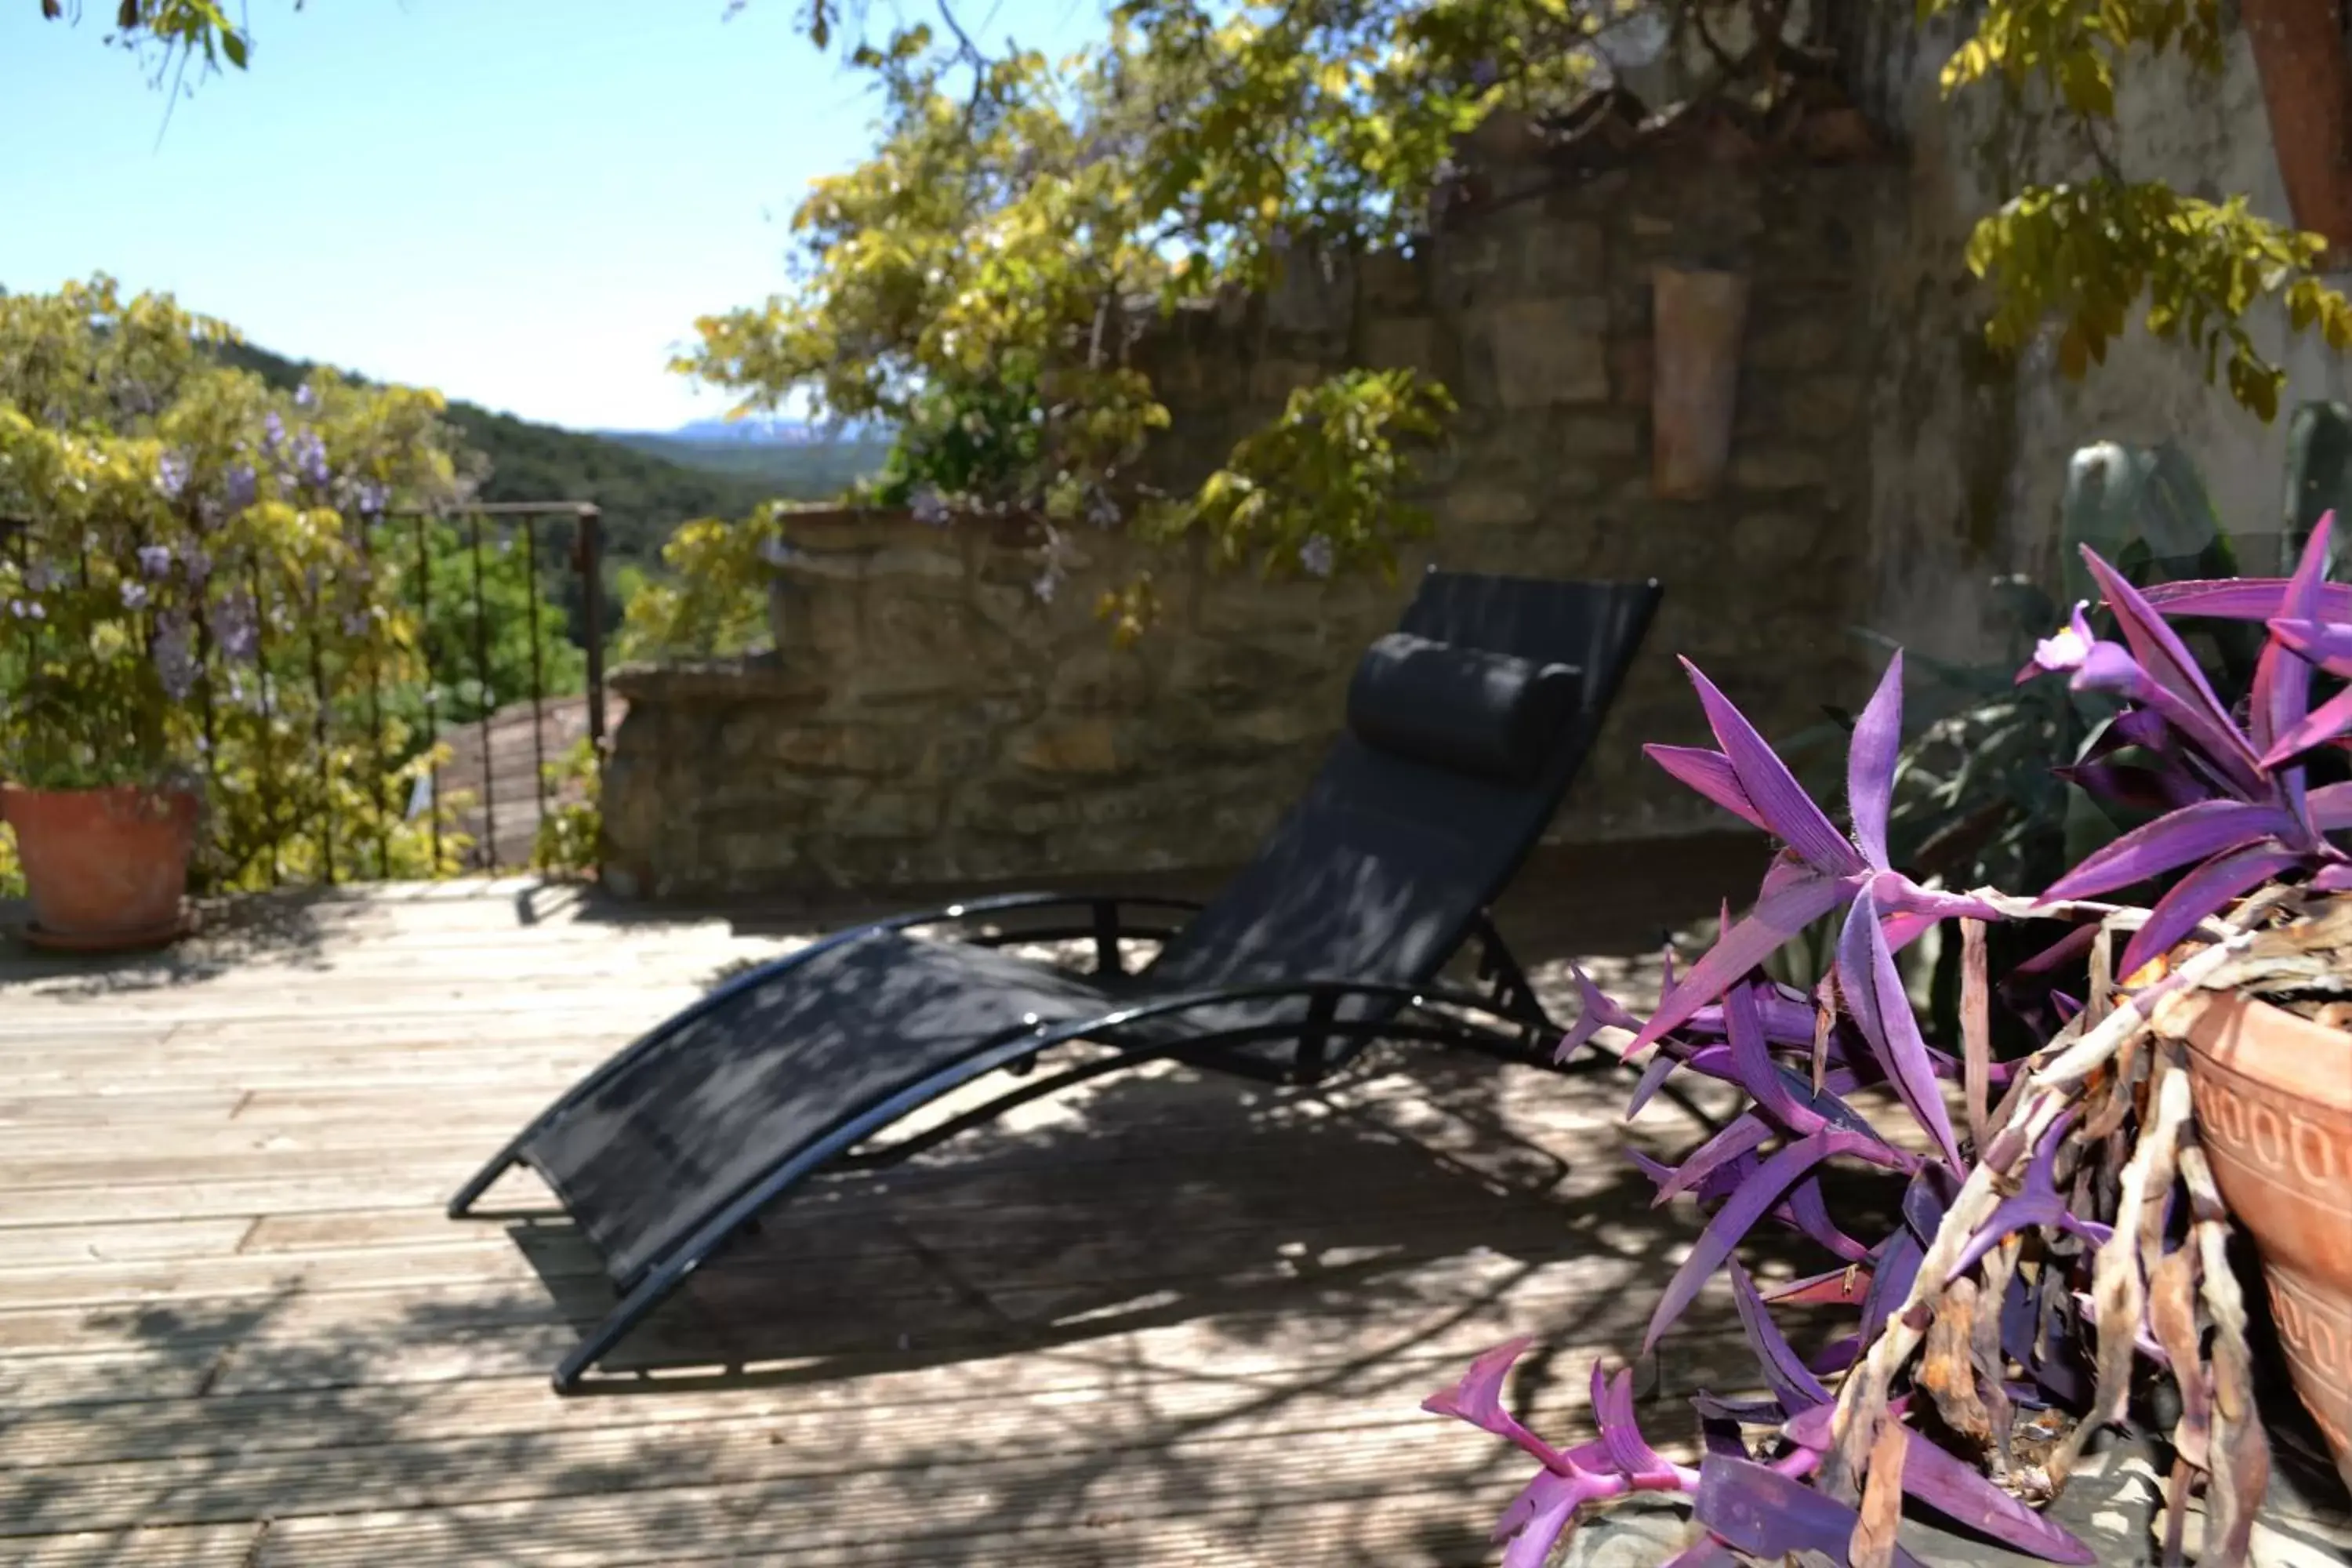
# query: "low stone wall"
926,717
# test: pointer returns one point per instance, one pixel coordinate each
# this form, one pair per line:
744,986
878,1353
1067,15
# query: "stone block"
1466,266
1632,363
1388,281
859,750
1403,343
1544,352
1225,677
1561,257
814,620
1801,340
942,562
1608,437
889,813
752,857
919,649
1478,501
1100,680
1290,724
1827,407
1274,380
720,682
1773,541
1314,292
1077,745
1774,465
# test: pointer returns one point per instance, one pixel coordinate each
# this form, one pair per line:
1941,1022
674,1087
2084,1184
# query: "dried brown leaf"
2169,1109
2118,1290
1948,1363
1985,1349
1882,1500
2172,1315
2102,977
1825,1019
2238,1449
1976,1029
2176,1509
2120,1095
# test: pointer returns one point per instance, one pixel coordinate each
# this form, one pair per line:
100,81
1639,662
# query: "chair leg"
471,1192
639,1303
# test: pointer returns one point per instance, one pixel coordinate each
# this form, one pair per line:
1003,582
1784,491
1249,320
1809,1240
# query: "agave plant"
2043,1251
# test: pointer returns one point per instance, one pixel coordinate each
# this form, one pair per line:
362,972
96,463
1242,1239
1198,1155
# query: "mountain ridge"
643,483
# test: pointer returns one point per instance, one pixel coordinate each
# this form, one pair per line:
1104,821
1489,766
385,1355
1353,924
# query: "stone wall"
1982,496
927,716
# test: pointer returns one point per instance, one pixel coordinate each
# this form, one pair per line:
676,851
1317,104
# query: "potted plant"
96,670
192,588
97,667
2062,1236
105,819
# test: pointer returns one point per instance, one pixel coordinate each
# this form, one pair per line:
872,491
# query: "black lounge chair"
1464,729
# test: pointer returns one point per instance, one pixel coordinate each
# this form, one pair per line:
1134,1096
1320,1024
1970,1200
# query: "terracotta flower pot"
2274,1096
108,868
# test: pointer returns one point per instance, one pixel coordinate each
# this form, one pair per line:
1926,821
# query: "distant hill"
753,428
808,468
644,485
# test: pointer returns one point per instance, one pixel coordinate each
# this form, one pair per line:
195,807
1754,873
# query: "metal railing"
454,684
586,563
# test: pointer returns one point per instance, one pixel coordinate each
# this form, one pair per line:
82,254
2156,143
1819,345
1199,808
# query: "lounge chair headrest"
1465,709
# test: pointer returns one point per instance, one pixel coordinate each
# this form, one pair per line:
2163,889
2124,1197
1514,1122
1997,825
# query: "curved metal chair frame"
1504,1020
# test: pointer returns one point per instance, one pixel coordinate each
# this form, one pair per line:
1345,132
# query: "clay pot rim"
2286,1050
162,800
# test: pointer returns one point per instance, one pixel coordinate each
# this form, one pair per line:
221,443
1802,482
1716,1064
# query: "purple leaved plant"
1823,1462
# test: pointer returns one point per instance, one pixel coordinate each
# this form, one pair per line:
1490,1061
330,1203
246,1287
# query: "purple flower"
236,627
928,507
240,485
154,560
1484,73
371,497
28,610
310,458
172,475
356,623
175,654
40,577
305,396
198,562
1316,556
273,432
135,594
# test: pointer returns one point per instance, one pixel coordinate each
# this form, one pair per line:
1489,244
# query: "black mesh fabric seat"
1464,729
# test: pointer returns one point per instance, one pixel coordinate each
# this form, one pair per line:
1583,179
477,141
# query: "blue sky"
524,203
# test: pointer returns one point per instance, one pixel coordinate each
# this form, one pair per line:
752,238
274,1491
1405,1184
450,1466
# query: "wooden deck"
1169,1320
1172,1320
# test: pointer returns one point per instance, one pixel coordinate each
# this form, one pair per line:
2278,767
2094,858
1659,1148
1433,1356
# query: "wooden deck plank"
1175,1321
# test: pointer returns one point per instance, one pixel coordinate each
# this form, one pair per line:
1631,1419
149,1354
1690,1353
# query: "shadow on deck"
1164,1319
